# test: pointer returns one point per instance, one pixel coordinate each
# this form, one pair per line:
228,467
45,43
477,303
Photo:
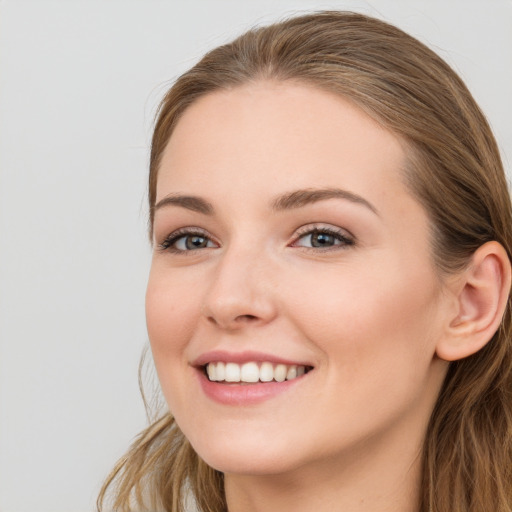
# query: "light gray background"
79,82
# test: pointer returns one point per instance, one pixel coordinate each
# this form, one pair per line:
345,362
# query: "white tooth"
266,372
300,371
232,372
291,373
220,371
250,372
280,372
212,374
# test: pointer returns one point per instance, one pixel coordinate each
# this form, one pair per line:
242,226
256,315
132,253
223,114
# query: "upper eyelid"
187,230
319,226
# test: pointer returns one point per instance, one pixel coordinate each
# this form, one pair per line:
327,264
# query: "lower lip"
244,394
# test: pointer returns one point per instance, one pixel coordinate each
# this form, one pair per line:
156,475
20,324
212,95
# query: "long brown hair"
454,170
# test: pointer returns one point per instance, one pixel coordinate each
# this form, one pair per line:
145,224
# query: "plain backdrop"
79,84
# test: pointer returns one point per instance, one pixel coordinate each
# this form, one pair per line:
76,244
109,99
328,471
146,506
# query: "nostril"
246,317
236,323
239,318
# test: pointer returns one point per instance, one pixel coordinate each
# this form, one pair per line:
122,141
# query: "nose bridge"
241,289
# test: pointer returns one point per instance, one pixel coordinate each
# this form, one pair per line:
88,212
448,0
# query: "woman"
328,305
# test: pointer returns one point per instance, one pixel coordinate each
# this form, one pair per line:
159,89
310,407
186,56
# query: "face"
287,247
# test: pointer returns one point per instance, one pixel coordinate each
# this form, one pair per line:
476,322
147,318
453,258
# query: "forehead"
279,135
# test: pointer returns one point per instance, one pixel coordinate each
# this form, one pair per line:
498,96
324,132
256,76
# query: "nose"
241,291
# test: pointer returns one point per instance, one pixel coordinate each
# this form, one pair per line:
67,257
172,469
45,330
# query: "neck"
375,477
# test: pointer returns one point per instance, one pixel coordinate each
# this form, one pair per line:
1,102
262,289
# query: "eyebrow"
287,201
300,198
194,203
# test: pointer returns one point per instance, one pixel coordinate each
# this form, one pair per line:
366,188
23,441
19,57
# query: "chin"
238,456
240,464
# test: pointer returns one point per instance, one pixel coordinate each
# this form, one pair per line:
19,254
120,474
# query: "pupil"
321,239
196,242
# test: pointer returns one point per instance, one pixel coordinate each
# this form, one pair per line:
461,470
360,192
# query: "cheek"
369,321
171,316
377,340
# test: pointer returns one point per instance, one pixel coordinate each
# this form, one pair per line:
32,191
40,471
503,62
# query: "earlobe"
482,294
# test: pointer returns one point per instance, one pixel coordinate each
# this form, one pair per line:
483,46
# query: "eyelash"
340,235
168,243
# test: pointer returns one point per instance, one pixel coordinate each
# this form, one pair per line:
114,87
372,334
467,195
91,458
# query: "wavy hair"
455,172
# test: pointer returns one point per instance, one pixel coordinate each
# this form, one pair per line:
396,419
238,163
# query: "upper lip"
244,357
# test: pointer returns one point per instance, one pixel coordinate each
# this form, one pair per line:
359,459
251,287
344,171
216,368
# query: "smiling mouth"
253,372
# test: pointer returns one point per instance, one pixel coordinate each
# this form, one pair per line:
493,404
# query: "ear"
481,292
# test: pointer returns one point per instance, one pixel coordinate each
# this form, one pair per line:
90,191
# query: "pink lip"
243,357
243,394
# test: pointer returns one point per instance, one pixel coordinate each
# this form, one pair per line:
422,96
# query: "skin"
366,315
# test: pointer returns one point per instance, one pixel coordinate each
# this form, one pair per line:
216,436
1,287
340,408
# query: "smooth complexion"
245,268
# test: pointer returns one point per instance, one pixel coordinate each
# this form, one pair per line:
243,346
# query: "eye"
324,238
184,240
